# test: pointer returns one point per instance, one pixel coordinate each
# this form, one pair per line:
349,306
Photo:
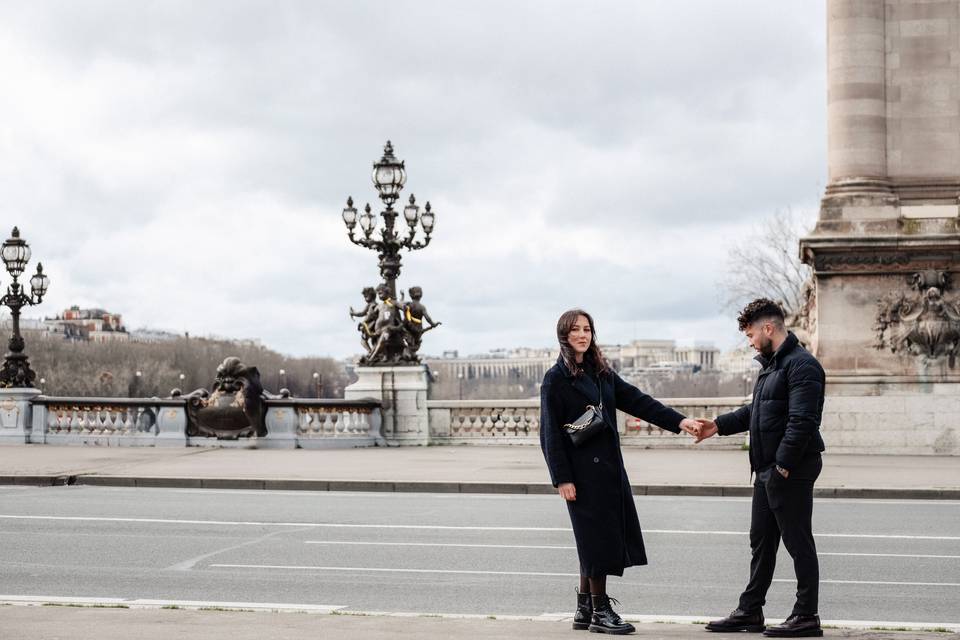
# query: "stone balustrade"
324,423
105,421
518,422
331,423
291,423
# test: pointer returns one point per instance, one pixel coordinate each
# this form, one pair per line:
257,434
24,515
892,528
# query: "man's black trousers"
783,508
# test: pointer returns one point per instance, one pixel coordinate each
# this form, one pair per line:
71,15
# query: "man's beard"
766,347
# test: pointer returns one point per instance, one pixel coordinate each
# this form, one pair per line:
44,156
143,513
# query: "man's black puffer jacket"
784,416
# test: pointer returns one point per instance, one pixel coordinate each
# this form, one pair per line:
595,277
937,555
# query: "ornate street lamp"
391,332
15,253
389,177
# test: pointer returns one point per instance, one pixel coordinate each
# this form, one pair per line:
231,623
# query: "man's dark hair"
760,309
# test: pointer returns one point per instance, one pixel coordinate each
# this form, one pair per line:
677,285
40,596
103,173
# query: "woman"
591,477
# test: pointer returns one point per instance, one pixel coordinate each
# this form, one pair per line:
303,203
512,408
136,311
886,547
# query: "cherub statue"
369,315
385,327
414,316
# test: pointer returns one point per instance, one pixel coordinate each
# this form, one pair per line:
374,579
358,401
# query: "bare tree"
71,368
766,264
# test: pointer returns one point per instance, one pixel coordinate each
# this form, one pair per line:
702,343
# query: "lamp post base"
16,415
402,392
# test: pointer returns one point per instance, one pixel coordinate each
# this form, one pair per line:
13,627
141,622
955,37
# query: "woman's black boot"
605,619
581,619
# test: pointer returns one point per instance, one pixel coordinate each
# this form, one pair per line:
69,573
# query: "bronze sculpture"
369,315
414,315
392,331
234,410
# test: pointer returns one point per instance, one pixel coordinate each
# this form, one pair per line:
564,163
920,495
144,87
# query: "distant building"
517,373
91,325
153,336
499,363
740,360
702,355
641,356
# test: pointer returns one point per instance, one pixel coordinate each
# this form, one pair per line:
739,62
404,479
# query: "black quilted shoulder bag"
589,424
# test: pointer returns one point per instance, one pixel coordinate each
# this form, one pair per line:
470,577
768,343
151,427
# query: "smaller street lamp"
15,253
317,382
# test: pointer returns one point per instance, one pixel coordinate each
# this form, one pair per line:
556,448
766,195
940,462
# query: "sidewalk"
467,469
82,623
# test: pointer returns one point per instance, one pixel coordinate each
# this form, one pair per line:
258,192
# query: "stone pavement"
488,469
82,623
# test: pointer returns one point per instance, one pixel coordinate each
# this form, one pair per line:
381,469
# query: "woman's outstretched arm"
638,404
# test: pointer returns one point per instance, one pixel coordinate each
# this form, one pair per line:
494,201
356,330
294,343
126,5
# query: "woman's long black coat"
604,517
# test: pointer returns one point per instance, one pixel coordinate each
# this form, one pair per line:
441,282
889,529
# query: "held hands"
568,491
690,426
708,429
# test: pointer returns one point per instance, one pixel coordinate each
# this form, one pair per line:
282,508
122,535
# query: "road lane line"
393,570
881,582
889,555
291,567
337,525
234,523
538,546
872,536
440,544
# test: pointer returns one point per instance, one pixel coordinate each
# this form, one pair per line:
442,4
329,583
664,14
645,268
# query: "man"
785,445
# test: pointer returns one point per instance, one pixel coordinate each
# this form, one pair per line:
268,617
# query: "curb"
516,488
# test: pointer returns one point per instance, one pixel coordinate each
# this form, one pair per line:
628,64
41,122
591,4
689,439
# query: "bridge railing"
146,422
518,422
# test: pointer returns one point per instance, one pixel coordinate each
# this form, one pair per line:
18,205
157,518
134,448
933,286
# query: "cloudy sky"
185,163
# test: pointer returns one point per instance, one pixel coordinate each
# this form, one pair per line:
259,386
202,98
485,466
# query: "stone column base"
872,415
16,415
402,391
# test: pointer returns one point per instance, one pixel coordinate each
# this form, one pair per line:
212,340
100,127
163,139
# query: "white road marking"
337,525
393,495
138,603
546,546
440,544
889,555
872,536
881,582
843,624
37,600
393,570
292,567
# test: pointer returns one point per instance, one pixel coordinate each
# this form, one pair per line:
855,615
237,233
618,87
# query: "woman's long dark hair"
593,355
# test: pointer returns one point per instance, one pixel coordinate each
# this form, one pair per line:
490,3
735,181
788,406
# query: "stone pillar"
16,418
856,96
172,426
402,392
281,428
886,249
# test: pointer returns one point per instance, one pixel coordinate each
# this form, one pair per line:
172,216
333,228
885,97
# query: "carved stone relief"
924,322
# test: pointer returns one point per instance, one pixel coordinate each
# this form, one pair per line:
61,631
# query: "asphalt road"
450,553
